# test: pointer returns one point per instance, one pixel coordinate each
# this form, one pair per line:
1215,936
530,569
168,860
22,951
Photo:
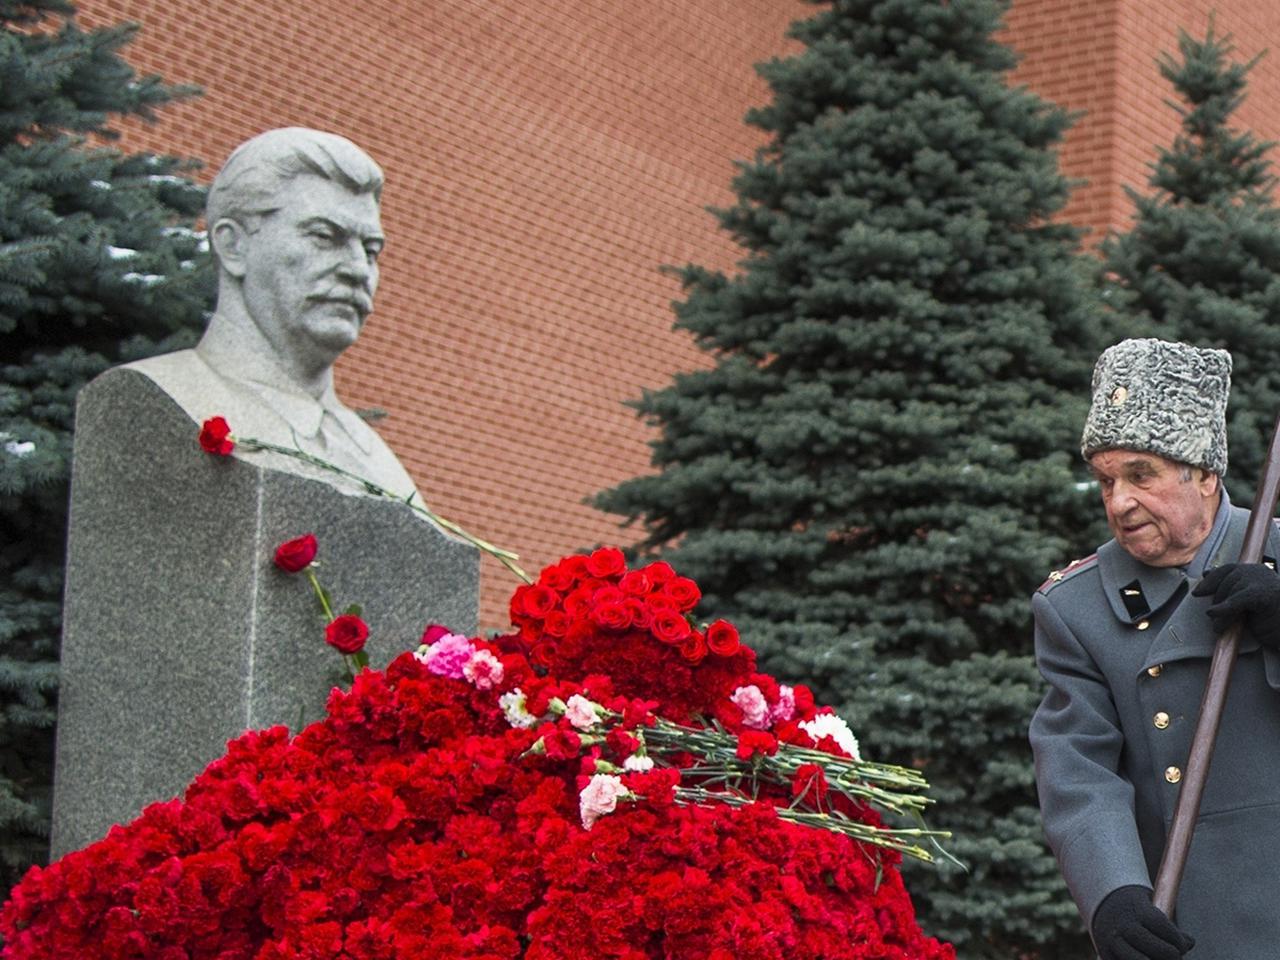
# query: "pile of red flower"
496,800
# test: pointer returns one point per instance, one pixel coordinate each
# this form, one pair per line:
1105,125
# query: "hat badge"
1118,396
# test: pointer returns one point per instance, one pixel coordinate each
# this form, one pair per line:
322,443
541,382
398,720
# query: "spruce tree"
1201,261
881,463
99,264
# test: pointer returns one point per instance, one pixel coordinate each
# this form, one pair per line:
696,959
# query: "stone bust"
294,228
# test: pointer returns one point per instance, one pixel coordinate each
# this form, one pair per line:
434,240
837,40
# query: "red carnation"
346,633
621,743
560,742
606,562
215,437
297,554
809,782
751,742
722,638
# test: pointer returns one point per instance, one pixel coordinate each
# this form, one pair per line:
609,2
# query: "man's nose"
355,266
1122,498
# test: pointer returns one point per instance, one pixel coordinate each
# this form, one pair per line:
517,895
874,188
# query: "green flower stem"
723,777
506,557
890,787
320,594
892,839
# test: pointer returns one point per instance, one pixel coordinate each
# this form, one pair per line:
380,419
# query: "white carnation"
513,707
830,725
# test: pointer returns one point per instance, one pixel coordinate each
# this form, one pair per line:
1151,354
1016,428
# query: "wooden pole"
1196,773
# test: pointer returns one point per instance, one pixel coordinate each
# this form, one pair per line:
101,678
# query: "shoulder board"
1067,572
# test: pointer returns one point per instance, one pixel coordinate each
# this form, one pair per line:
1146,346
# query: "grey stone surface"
180,633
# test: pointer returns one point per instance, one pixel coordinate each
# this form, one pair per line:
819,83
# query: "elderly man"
1124,639
294,227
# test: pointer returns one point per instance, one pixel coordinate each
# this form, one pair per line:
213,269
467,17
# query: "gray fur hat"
1165,398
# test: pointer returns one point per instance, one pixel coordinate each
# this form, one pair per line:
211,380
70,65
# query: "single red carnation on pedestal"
215,437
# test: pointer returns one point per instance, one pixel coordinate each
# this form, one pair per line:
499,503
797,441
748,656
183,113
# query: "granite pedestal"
179,631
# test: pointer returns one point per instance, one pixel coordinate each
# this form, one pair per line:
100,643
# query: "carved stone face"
311,269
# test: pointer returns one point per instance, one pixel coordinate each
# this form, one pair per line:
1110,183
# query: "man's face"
1154,513
312,268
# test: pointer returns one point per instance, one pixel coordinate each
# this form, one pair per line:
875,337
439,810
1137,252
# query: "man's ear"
230,241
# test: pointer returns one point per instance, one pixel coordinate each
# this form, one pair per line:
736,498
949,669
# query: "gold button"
1155,671
1173,774
1144,624
1161,720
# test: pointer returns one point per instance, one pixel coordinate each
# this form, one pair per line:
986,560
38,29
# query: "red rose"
693,647
670,626
297,554
215,437
635,583
534,600
433,633
611,616
556,624
606,562
346,633
722,638
641,616
659,572
684,592
543,655
558,578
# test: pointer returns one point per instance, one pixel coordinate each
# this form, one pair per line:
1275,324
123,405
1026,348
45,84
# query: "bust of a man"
294,227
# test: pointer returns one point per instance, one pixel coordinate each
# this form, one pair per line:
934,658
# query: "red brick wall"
1099,56
544,159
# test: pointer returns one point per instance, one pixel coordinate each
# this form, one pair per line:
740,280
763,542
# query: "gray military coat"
1125,651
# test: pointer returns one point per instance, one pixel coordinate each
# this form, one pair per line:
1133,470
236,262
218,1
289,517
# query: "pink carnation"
785,708
448,656
754,707
483,670
581,712
600,796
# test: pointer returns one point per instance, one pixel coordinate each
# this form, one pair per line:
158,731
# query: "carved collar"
304,413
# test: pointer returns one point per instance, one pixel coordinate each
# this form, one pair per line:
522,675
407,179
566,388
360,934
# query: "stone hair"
248,183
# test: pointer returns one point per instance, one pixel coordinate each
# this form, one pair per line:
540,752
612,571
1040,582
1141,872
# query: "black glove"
1248,592
1126,926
